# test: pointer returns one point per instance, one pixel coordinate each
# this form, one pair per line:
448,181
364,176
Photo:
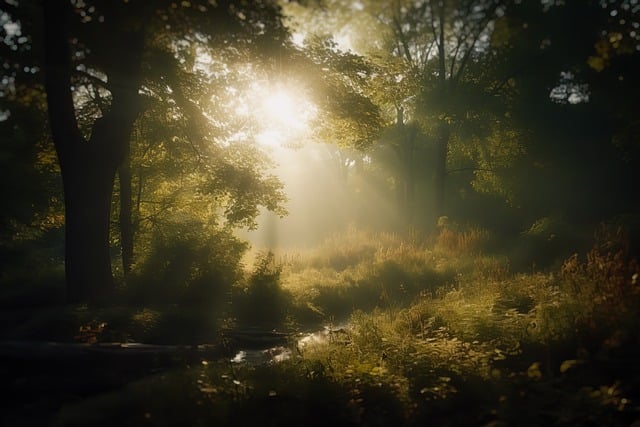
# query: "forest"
320,212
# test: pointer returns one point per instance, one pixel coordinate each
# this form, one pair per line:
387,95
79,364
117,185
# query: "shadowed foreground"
442,334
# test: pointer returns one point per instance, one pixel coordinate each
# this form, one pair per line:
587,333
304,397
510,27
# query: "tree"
121,65
612,63
433,60
338,84
441,40
88,166
30,188
573,94
395,88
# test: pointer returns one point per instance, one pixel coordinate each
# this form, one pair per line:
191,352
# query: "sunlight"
270,138
279,107
284,115
274,115
298,39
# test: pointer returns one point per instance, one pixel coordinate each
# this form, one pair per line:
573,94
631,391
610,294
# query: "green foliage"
261,302
597,298
488,156
348,117
187,263
517,332
501,341
461,240
360,270
547,243
526,349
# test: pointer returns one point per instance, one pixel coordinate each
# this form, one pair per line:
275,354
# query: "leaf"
568,364
534,371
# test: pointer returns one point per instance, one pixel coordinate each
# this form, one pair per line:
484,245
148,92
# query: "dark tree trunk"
88,178
409,138
440,169
442,138
126,225
406,153
88,185
88,167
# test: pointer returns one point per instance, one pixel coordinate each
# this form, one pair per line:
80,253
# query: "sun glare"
285,116
281,114
279,107
298,39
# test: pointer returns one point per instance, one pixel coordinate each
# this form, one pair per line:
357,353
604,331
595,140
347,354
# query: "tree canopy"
152,114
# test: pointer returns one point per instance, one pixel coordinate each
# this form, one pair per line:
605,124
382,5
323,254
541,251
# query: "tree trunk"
88,176
88,167
126,225
88,185
440,169
410,176
405,151
442,139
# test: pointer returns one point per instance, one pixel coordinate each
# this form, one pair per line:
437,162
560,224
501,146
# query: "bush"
262,302
546,243
605,288
454,238
190,264
32,271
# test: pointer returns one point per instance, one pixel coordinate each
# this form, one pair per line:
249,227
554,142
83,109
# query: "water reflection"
262,356
280,353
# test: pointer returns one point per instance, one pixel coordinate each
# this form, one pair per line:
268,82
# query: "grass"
358,270
556,344
439,333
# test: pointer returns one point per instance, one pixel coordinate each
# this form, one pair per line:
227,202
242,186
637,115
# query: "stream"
42,377
263,347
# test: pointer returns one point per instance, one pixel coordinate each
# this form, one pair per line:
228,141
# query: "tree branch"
402,39
461,41
441,50
433,24
93,79
467,55
57,70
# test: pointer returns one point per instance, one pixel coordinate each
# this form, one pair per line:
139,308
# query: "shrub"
362,270
454,238
605,288
547,243
262,302
188,264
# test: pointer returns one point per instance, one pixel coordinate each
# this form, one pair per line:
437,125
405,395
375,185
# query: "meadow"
379,329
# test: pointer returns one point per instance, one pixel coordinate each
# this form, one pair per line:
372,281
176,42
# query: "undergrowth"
440,333
448,324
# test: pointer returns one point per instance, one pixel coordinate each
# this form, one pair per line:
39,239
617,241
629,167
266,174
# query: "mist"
311,213
327,191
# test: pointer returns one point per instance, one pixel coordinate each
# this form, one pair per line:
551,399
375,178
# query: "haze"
311,213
